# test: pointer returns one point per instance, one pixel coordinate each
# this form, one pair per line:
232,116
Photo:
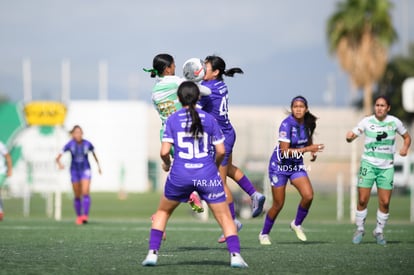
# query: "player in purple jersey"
193,133
80,172
217,105
286,163
165,100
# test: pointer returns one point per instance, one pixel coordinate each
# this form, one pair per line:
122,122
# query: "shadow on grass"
197,263
195,248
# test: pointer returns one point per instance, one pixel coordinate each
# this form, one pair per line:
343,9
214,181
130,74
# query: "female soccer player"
216,104
80,171
194,134
165,100
286,163
5,171
377,164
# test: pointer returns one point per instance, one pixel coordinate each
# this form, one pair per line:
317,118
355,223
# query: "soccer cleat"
237,261
239,226
151,258
298,230
379,237
79,220
264,239
195,203
258,201
357,238
85,219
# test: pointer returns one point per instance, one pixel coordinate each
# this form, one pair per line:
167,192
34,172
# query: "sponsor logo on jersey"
216,195
207,183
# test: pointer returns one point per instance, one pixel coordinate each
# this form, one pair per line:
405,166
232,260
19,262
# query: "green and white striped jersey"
379,146
164,96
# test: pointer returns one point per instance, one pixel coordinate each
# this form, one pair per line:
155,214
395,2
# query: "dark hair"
188,94
74,128
310,119
217,63
387,100
159,64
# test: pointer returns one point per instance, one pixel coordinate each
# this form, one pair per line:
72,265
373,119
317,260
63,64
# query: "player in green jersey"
377,164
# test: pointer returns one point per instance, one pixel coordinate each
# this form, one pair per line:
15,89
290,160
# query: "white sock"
360,219
382,219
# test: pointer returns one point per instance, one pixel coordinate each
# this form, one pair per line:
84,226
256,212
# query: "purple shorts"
230,140
77,175
210,188
280,179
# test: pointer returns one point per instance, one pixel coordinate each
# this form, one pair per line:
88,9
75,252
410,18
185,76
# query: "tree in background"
398,69
359,34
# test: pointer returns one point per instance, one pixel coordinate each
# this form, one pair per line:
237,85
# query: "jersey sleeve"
360,128
90,147
204,90
400,127
285,132
66,147
168,132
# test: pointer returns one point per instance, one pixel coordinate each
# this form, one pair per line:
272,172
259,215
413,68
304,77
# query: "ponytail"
310,124
188,94
196,128
232,71
217,63
159,64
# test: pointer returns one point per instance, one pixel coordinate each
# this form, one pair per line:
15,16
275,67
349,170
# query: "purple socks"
301,215
86,203
246,185
232,211
233,244
155,239
77,205
268,224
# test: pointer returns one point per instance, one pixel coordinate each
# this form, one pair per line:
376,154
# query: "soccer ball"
194,69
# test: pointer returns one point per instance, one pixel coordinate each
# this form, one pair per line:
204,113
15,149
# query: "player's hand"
314,156
350,136
314,148
61,166
166,167
9,173
403,152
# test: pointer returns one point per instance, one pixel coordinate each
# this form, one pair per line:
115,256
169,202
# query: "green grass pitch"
116,240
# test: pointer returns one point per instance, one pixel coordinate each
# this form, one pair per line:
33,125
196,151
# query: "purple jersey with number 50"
192,154
194,167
